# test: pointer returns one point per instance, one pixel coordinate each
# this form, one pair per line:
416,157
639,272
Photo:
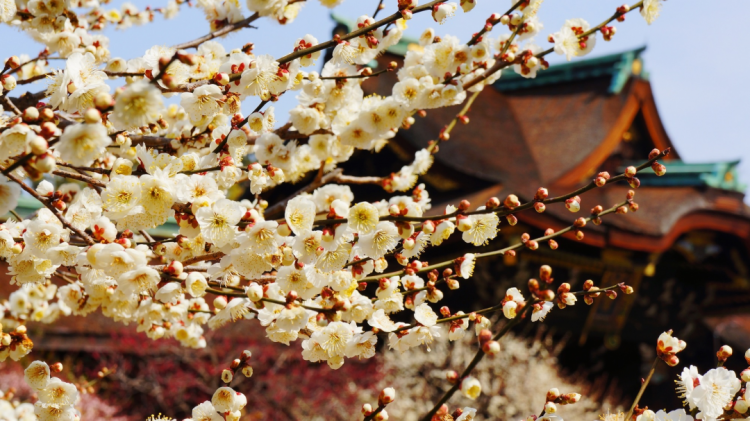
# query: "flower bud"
13,62
512,201
56,367
227,376
247,371
491,348
104,101
539,207
512,220
493,202
659,169
46,163
381,416
571,398
38,145
366,409
174,268
484,336
464,223
553,394
745,375
387,396
30,115
741,406
221,79
630,171
573,205
550,408
724,352
220,302
428,227
9,82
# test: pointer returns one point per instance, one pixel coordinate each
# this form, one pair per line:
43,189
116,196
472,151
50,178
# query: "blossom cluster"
137,164
56,398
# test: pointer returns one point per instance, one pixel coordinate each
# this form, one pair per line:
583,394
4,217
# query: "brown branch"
354,34
28,99
475,361
90,241
8,103
359,76
34,78
103,171
203,258
124,74
147,236
500,64
24,159
484,29
239,126
79,177
516,246
349,179
277,207
504,211
244,23
151,141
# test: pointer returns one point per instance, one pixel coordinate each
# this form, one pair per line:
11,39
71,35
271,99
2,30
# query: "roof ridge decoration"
620,66
719,174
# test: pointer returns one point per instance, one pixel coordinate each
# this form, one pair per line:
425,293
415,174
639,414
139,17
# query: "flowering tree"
316,277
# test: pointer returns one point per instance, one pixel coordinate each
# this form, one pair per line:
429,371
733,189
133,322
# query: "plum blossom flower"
218,222
688,379
9,194
471,388
425,315
650,10
138,105
300,214
667,346
716,389
568,40
363,217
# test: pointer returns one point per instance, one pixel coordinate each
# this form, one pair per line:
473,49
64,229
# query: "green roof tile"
618,66
720,175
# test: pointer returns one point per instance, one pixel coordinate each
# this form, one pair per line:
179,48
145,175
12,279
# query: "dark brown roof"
557,133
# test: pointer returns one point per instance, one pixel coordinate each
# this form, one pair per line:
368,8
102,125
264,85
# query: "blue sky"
697,70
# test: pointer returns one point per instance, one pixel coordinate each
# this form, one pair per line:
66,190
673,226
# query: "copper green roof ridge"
721,175
618,66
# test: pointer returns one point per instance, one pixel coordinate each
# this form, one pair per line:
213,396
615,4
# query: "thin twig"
90,241
496,252
244,23
643,389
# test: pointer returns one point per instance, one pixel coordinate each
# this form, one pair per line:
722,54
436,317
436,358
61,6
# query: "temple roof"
562,127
